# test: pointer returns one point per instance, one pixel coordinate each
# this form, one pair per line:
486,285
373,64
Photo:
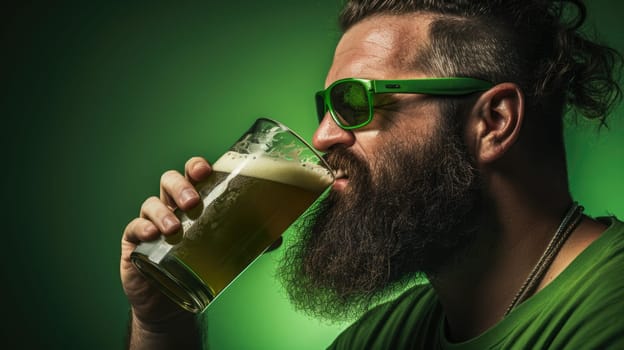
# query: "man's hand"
154,316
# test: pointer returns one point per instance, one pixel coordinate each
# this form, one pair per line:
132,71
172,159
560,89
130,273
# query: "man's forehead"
380,44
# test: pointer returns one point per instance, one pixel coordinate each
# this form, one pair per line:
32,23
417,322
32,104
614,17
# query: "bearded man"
444,122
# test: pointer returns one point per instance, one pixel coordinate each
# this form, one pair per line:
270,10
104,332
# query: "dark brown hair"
536,44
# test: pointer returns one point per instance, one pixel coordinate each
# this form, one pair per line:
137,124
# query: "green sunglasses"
350,101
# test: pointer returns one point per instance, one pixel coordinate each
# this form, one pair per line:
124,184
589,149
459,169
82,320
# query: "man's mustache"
344,160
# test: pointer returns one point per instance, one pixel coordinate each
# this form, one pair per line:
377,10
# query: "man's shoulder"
580,307
598,273
608,248
594,276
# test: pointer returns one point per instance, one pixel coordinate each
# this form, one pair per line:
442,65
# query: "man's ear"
495,121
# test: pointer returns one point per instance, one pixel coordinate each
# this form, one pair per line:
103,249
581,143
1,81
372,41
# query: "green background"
98,99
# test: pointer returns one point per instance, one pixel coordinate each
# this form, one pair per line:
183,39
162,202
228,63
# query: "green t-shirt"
583,308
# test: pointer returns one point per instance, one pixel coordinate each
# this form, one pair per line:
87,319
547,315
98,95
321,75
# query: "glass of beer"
256,190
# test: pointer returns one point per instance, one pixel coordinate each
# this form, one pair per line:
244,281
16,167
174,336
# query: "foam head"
310,176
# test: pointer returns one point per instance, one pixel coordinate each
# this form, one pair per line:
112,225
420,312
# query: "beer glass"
266,180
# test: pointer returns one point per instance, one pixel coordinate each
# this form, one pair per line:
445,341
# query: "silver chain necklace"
568,224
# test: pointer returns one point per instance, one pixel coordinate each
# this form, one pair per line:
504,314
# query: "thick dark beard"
412,214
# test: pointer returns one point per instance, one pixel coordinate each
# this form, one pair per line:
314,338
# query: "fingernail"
199,166
150,229
169,223
187,195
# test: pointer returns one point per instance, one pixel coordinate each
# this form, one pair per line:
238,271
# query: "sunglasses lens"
349,101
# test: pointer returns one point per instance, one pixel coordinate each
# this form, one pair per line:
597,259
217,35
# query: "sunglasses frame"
447,86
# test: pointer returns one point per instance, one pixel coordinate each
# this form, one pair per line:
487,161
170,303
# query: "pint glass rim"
318,154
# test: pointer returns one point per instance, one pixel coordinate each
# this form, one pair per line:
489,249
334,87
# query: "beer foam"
309,176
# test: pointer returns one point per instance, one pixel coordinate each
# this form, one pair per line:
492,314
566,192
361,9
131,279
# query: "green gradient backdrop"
99,99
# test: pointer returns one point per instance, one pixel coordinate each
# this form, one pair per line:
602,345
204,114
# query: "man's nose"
329,134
